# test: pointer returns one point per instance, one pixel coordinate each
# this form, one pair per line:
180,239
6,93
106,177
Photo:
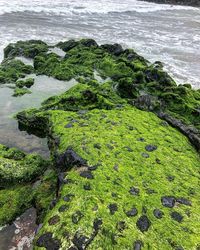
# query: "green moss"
28,49
124,164
12,70
17,167
25,83
21,91
13,202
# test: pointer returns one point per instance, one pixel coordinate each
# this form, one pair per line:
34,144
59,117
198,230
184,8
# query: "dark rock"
113,208
121,226
138,244
150,148
89,43
80,241
87,187
87,174
53,203
115,49
168,201
97,224
133,212
97,146
66,46
134,191
61,179
54,220
63,208
145,155
177,216
69,125
184,201
68,197
141,139
76,217
144,210
129,149
48,242
158,213
150,191
170,178
69,159
90,96
191,132
92,168
143,223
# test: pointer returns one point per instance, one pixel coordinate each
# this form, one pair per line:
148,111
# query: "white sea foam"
167,33
61,7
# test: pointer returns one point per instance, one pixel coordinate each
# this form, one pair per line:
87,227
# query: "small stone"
134,191
141,139
97,145
129,149
80,241
177,216
138,244
92,168
87,174
143,223
145,155
170,178
184,201
150,148
133,212
69,125
87,187
54,220
76,217
63,208
113,208
68,197
46,241
168,201
158,213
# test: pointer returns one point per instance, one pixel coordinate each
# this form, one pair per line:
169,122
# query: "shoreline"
192,3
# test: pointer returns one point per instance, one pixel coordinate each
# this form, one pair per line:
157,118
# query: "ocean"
166,33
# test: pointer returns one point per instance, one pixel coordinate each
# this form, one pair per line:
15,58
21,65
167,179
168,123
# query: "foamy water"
167,33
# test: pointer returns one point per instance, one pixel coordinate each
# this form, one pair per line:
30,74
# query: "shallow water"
170,34
10,135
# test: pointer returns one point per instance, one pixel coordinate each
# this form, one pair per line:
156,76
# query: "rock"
143,223
177,216
150,148
115,49
69,125
87,174
80,241
146,102
63,208
69,159
87,187
184,201
168,201
48,242
138,244
68,197
145,155
113,208
76,217
133,212
89,42
134,191
54,220
158,213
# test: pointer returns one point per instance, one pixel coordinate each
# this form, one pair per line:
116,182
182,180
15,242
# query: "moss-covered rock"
17,167
125,178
